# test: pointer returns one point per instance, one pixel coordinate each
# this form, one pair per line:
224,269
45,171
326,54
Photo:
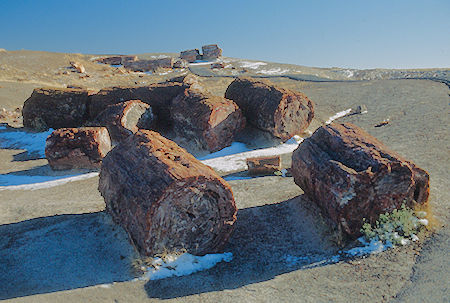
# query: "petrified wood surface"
211,52
210,121
55,108
264,165
125,118
158,96
351,175
190,55
165,198
84,147
282,112
149,65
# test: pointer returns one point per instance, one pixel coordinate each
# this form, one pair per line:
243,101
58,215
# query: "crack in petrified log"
165,198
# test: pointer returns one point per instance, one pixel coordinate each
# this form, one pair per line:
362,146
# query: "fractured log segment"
84,147
165,198
264,165
282,112
158,96
351,175
125,118
55,108
210,121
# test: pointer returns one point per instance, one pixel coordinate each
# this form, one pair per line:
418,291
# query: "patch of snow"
423,221
372,247
159,57
40,182
251,65
273,71
414,238
183,265
165,73
236,162
348,73
32,142
338,115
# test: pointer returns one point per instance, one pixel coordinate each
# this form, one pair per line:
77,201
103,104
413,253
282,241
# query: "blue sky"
355,34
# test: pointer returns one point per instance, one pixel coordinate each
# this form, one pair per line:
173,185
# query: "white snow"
338,115
182,265
32,142
423,221
40,182
348,73
236,162
372,247
273,71
251,65
203,62
165,73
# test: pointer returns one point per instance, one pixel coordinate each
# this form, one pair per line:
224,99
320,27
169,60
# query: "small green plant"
398,227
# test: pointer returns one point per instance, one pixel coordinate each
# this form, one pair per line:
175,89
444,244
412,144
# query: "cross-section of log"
125,118
351,175
55,108
84,147
282,112
264,165
158,96
165,198
210,121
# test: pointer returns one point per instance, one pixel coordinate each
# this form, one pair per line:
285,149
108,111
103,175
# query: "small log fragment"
125,118
84,147
351,175
165,198
282,112
55,108
210,121
264,165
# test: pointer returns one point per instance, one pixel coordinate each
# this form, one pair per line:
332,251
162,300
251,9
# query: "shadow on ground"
62,252
65,252
269,240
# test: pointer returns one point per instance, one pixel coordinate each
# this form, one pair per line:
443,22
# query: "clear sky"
355,34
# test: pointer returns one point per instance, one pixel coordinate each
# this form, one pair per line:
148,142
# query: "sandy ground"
57,244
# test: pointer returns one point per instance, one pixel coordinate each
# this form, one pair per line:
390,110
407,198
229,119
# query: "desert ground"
58,244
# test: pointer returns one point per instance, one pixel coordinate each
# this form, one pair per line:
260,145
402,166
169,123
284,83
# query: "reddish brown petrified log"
211,52
149,65
55,108
264,165
158,96
190,55
84,147
165,198
282,112
125,118
210,121
351,176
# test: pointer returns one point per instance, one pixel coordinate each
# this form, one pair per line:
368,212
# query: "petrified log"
149,65
125,118
165,198
264,165
351,176
190,55
158,96
210,121
55,108
180,63
83,147
282,112
211,52
116,60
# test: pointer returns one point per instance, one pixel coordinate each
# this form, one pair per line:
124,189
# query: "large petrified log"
149,65
159,96
211,52
190,55
83,147
210,121
165,198
55,108
282,112
125,118
351,176
116,60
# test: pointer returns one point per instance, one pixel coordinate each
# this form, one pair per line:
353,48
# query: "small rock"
211,52
382,123
360,109
264,165
78,66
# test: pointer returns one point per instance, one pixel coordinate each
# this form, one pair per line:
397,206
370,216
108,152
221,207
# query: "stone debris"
78,67
351,175
180,63
149,65
190,55
217,65
125,118
283,113
55,108
264,165
211,52
165,199
74,148
209,121
382,123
